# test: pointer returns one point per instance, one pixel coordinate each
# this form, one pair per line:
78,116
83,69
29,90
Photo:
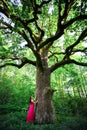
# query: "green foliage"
74,106
5,90
20,16
15,88
15,121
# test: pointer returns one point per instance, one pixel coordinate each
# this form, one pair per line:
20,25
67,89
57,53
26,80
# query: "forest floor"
17,121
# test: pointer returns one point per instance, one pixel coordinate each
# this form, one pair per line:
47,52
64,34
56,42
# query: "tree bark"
44,113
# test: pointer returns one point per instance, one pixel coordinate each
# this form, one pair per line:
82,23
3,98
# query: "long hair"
30,99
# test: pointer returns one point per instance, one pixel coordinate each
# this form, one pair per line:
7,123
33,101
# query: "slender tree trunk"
78,90
74,93
84,86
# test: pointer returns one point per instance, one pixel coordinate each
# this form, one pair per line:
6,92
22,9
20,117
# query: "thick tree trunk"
44,112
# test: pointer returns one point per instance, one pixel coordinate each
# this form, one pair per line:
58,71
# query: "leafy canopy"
28,27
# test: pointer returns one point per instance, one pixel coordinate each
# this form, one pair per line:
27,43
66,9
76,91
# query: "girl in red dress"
30,115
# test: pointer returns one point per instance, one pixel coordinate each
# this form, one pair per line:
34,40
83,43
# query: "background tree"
51,30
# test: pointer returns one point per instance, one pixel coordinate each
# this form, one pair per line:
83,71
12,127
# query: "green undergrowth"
17,121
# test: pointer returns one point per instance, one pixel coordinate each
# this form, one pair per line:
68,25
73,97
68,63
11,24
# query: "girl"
30,115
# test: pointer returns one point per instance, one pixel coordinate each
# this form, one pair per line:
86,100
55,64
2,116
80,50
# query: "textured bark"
44,113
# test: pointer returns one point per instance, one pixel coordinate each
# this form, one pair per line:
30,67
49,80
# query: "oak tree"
53,32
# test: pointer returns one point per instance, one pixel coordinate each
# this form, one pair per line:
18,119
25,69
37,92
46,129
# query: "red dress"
30,115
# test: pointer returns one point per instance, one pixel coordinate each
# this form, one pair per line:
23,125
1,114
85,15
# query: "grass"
16,121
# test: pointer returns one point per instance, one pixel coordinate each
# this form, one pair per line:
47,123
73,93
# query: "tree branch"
69,49
36,8
7,25
65,62
55,53
80,17
11,64
68,5
59,18
80,50
40,31
23,22
59,64
4,11
29,43
50,40
22,33
78,63
61,32
62,17
23,61
2,27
